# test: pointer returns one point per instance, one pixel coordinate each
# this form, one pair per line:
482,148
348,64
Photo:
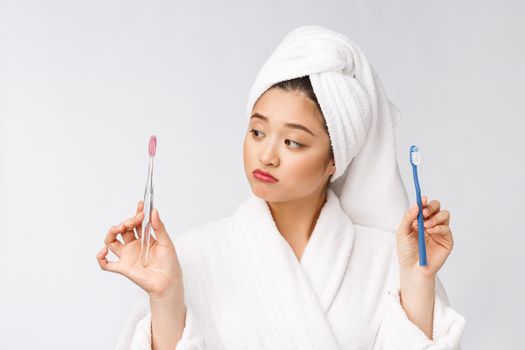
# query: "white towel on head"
359,116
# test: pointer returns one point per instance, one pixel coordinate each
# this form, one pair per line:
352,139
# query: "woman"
323,253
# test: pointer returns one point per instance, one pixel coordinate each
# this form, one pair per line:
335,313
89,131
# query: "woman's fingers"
429,209
424,203
440,229
443,217
159,228
138,229
128,236
111,236
111,242
133,222
432,208
116,247
126,229
131,225
104,263
405,225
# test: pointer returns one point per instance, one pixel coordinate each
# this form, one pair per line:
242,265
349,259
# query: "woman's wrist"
417,293
170,304
168,315
174,291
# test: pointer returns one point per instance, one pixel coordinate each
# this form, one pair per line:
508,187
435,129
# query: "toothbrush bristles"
152,145
416,158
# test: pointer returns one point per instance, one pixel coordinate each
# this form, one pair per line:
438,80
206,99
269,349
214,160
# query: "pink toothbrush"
148,204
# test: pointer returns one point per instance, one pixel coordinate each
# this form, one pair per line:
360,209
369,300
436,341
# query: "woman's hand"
162,277
438,239
417,283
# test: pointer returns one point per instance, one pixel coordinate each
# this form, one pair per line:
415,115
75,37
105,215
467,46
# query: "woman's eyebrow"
290,125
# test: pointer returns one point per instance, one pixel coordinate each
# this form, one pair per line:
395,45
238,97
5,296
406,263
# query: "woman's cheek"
304,168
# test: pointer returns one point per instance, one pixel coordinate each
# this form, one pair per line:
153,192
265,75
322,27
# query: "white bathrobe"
246,289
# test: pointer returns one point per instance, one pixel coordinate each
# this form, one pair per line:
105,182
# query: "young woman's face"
297,156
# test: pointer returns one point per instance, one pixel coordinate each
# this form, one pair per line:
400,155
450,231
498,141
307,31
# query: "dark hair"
303,85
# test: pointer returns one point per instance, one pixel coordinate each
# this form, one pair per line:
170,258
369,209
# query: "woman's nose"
270,154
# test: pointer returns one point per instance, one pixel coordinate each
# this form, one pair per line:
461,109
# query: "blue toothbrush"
415,159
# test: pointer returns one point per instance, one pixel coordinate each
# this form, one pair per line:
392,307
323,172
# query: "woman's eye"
253,131
297,143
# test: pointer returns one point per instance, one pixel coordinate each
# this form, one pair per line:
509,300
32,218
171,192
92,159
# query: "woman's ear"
333,167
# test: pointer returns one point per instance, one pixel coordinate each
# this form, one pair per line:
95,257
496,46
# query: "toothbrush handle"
146,223
420,222
146,226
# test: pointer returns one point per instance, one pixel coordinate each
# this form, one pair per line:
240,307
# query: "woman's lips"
264,176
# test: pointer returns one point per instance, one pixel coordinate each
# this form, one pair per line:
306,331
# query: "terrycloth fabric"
246,289
359,116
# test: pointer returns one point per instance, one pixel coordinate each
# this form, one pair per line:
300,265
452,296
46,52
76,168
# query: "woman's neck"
296,219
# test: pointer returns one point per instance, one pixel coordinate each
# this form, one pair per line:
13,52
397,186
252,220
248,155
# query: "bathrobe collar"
296,294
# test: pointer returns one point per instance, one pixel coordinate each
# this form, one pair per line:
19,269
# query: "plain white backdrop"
83,84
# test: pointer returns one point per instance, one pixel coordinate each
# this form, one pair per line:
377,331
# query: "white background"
84,84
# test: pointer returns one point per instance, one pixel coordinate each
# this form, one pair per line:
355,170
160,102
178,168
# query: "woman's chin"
265,191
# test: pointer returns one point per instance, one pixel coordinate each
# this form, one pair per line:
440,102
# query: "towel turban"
359,117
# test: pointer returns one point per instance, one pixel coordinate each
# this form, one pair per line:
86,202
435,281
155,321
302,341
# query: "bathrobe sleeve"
136,334
396,331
